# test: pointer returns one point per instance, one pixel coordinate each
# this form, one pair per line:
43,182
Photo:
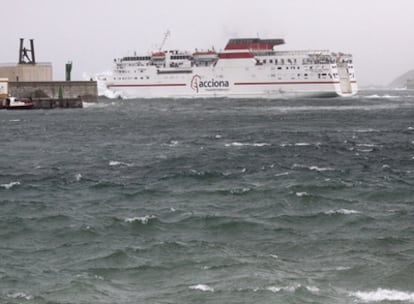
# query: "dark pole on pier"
21,51
32,51
68,70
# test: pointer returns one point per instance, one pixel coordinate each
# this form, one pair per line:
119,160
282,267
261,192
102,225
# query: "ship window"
270,60
264,61
279,68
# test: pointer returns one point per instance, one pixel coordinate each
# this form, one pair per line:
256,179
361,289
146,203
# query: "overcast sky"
91,33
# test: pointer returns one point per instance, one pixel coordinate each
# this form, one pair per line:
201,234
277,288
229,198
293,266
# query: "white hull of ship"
253,88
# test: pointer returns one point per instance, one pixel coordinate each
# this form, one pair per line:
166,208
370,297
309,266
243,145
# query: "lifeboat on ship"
158,56
209,55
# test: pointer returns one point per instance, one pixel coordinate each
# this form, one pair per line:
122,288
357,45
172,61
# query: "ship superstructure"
246,68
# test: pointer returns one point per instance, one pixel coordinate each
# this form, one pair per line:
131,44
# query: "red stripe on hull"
286,83
147,85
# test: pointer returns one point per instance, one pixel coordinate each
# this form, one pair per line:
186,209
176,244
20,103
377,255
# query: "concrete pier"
70,91
51,103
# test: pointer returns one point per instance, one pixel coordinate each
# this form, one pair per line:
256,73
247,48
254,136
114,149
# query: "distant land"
404,81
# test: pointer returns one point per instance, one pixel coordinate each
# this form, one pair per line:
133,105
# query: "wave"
95,105
20,295
300,144
239,144
9,185
101,79
202,287
313,168
78,177
114,163
380,295
292,288
282,174
342,211
142,219
376,96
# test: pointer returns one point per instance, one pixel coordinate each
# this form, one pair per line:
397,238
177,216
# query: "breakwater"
51,94
51,103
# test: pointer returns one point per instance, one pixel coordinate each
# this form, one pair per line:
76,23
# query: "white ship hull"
235,73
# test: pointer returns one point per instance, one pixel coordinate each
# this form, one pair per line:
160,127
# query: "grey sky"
379,33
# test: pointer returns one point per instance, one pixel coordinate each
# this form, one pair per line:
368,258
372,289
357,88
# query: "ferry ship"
246,68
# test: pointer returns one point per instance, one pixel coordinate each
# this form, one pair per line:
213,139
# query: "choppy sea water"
209,201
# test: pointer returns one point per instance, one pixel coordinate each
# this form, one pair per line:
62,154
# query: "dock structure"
34,80
86,91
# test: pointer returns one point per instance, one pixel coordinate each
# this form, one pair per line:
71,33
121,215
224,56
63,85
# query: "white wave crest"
302,144
9,185
376,96
342,211
101,79
313,168
20,295
94,105
319,169
78,177
380,295
119,163
292,288
300,194
282,174
173,143
143,219
202,287
239,144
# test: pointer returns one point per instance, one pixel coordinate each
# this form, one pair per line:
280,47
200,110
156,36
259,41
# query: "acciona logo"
197,83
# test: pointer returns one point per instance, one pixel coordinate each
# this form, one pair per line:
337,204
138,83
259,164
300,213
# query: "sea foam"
114,163
20,295
239,144
342,211
202,287
9,185
292,288
380,295
143,219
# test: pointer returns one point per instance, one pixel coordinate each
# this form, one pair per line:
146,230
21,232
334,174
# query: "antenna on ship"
168,33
